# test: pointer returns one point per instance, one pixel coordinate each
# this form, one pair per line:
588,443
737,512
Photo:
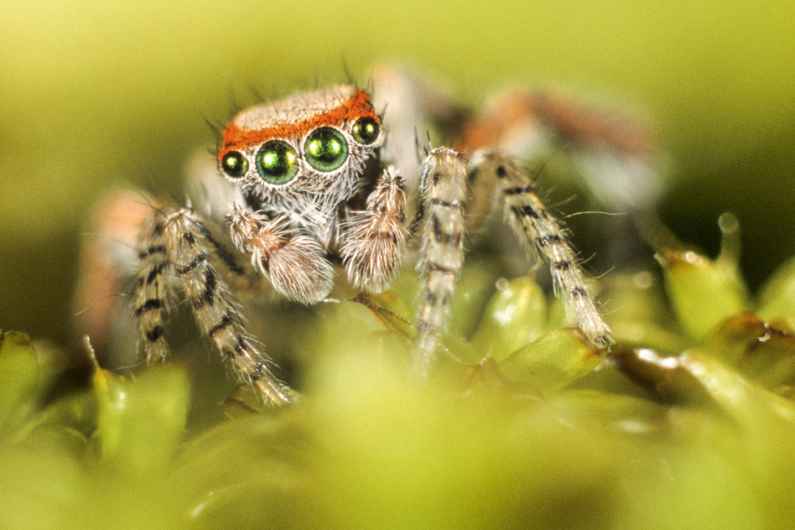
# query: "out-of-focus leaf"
757,349
140,421
473,289
337,328
703,292
637,313
690,486
777,298
767,430
634,296
260,476
649,334
554,361
43,487
456,352
741,398
69,418
515,316
26,374
393,454
68,439
618,413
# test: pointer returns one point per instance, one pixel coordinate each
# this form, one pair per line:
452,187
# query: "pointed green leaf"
140,421
777,298
26,373
703,292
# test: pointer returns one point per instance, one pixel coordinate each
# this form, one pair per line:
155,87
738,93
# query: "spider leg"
536,228
374,238
151,292
217,312
294,263
440,220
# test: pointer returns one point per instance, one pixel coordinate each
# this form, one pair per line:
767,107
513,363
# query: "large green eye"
365,130
277,162
234,164
326,149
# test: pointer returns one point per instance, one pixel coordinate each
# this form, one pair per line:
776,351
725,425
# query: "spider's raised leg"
440,218
188,248
374,238
536,228
294,262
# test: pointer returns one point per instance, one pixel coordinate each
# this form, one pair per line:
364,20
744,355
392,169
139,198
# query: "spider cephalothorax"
303,155
312,181
306,166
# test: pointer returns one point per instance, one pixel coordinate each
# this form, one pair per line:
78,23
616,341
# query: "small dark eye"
234,164
365,130
277,162
326,149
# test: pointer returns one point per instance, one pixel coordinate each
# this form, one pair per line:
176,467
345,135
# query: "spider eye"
365,130
326,149
277,162
234,164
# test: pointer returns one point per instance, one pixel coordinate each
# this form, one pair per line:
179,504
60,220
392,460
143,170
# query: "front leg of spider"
374,238
442,198
295,263
176,250
537,229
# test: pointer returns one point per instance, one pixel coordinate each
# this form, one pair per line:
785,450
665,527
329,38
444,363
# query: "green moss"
687,423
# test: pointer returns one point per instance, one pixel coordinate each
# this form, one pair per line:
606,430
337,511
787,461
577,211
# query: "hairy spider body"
313,181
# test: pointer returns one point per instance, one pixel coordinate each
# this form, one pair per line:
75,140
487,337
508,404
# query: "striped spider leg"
538,230
175,259
444,194
440,222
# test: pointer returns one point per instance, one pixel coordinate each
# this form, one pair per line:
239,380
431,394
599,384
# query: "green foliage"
688,423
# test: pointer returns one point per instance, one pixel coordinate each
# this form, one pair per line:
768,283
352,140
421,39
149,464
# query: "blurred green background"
94,93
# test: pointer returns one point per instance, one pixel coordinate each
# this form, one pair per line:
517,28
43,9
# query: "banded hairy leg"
441,226
374,238
538,230
152,293
188,246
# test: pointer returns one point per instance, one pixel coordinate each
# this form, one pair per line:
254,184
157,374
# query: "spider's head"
310,144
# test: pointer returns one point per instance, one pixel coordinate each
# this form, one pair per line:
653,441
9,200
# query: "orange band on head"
357,106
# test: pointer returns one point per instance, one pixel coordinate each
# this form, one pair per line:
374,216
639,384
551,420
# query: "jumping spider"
320,179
